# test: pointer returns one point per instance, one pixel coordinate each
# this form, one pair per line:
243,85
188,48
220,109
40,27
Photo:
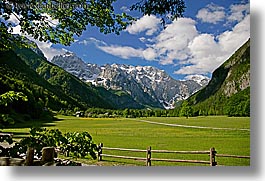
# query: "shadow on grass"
43,122
20,135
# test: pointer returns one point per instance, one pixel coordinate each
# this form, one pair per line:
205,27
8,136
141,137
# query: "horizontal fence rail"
125,157
123,149
211,152
181,152
148,159
232,156
183,161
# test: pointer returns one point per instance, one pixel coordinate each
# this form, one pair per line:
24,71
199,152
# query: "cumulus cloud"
206,55
48,50
148,24
46,47
183,45
208,52
238,12
211,14
125,52
172,42
231,40
180,44
149,54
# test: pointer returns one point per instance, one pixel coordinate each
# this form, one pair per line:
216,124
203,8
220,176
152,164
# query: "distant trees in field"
238,105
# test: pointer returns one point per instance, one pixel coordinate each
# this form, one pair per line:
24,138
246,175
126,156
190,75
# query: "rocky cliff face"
228,92
147,85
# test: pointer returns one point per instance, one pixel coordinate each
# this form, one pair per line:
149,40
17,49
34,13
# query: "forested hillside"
228,92
49,87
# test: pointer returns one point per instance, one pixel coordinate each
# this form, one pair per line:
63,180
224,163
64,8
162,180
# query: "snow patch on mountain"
148,85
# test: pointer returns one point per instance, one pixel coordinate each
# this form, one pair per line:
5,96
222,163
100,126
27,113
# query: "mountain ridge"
147,84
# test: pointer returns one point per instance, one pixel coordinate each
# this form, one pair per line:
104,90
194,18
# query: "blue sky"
208,34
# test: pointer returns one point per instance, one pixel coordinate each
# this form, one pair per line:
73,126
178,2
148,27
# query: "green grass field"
132,133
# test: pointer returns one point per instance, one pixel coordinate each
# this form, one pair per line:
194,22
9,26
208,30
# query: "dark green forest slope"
228,92
48,86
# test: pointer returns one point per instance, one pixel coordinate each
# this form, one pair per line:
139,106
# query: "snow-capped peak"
200,79
146,84
69,54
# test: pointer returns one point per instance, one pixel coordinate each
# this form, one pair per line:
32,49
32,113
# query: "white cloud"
149,24
92,40
182,44
47,49
16,30
209,52
149,54
211,14
231,40
125,52
125,9
238,12
172,42
13,19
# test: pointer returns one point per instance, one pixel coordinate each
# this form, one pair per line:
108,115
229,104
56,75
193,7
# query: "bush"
75,144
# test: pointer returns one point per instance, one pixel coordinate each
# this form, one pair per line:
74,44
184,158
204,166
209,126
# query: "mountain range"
49,86
147,85
120,86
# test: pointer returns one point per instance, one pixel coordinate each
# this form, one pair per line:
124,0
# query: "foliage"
128,113
41,137
11,96
49,87
15,75
186,110
57,21
132,133
6,120
171,9
78,145
7,99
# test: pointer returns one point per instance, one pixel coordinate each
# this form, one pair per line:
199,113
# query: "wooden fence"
148,159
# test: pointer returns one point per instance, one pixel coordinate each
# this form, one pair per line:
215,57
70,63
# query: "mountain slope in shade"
47,85
147,85
15,75
228,92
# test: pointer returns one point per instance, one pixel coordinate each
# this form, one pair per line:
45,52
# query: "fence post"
212,157
30,156
47,154
148,156
100,151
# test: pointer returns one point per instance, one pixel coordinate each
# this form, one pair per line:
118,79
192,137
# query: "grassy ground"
130,133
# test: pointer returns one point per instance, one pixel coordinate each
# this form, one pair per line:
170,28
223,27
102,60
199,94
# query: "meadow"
233,138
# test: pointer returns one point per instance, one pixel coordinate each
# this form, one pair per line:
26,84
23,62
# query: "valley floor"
228,135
